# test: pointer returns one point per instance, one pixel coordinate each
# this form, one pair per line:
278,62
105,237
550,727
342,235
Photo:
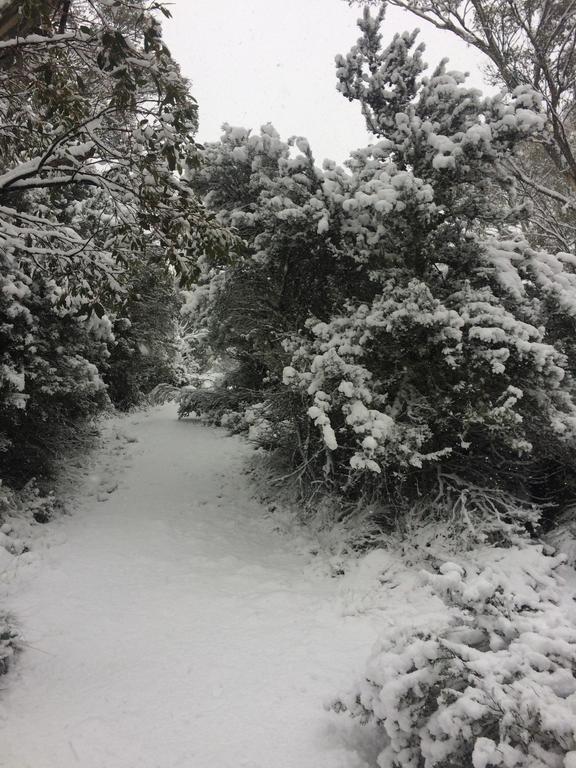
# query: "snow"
168,623
347,388
318,414
289,374
502,665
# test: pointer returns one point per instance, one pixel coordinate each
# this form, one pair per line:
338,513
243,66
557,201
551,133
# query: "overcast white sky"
258,61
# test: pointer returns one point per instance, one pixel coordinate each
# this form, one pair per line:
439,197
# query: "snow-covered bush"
496,687
415,382
50,365
394,309
529,47
21,511
443,360
270,192
411,327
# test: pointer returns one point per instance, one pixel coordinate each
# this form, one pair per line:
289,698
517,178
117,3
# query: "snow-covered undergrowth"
337,531
476,665
489,681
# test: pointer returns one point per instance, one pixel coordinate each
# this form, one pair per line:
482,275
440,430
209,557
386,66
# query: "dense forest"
396,336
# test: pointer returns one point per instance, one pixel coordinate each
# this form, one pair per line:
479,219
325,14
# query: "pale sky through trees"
257,61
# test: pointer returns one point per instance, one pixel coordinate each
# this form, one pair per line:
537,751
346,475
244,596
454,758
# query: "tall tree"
527,43
94,99
96,143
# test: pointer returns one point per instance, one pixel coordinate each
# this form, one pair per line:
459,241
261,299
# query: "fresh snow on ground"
169,623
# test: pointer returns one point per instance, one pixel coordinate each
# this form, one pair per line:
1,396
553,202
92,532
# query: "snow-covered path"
171,626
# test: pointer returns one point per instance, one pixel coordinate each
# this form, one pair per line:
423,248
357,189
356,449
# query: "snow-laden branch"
45,40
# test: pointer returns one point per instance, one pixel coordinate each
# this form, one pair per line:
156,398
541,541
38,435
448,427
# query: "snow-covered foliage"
450,358
496,686
393,312
96,140
533,47
419,370
93,100
271,192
